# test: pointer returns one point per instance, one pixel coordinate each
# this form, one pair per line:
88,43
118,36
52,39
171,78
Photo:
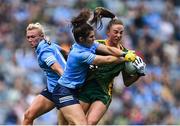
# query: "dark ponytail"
100,13
80,26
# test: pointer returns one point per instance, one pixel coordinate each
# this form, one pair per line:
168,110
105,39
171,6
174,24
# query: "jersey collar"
39,45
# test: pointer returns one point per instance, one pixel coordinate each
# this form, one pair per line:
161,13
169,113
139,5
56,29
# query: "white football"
130,68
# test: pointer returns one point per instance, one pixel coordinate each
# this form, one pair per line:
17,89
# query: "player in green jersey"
81,55
96,95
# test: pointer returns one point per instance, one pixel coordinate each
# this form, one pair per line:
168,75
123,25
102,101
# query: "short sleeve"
87,57
95,46
48,57
96,43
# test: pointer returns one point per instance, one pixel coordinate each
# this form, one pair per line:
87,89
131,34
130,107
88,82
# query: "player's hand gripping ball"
130,68
130,56
138,66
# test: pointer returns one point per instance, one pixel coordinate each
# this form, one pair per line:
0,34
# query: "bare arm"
107,50
107,60
57,68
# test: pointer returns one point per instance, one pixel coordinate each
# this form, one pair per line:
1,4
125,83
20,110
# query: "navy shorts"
63,96
47,94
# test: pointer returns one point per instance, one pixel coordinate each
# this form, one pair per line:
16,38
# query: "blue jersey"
77,65
48,54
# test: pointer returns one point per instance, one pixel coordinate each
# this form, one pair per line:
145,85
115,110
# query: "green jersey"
100,82
105,74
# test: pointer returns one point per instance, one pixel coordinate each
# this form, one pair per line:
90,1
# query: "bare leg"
95,112
39,106
74,114
61,119
85,106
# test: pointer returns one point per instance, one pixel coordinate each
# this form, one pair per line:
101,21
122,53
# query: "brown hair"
80,26
100,13
113,22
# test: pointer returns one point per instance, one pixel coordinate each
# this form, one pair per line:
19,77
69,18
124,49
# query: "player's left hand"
140,66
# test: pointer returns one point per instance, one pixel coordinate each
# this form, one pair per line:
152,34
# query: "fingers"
135,64
138,59
130,56
140,66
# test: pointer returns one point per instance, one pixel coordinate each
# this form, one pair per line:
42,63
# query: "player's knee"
83,121
62,122
28,116
92,121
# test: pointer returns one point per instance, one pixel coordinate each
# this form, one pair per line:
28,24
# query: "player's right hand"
140,66
130,56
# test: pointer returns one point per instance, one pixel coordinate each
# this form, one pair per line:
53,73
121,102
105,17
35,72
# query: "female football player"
82,54
95,97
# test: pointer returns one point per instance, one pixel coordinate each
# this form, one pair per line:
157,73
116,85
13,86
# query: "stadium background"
152,29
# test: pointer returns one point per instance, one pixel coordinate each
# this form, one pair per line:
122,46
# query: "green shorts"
99,85
92,92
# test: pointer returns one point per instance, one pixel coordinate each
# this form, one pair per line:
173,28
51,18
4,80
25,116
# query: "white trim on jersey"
50,59
62,57
89,59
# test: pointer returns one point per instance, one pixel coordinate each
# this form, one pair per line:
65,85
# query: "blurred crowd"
152,28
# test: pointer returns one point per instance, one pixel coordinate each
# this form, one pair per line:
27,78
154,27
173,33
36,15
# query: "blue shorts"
47,94
61,96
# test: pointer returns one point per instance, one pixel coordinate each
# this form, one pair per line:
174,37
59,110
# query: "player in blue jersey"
52,63
80,57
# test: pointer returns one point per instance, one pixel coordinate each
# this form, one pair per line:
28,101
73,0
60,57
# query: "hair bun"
82,18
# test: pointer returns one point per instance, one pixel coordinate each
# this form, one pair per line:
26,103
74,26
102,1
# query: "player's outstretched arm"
99,59
107,50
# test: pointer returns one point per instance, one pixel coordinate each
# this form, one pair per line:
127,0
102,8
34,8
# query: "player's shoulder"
48,48
102,41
